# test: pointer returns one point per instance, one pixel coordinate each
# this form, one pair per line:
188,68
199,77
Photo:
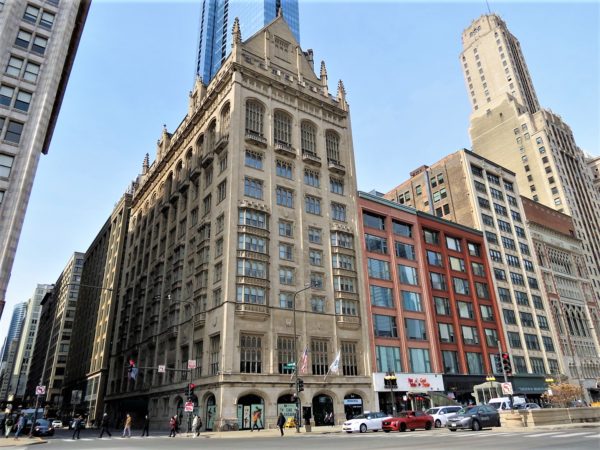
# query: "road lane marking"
542,434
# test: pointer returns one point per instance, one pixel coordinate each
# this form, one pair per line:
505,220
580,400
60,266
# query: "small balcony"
252,311
311,158
348,322
254,138
163,206
207,159
222,143
200,320
193,173
336,167
285,149
174,197
183,184
172,332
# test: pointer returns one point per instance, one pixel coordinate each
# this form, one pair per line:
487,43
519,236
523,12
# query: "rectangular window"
474,249
548,343
371,220
388,359
250,354
376,244
401,229
419,360
315,257
336,186
478,269
442,306
411,301
254,159
343,284
438,281
253,188
317,304
461,286
312,178
517,278
39,44
487,220
431,237
251,294
285,353
346,307
285,197
14,66
543,322
46,20
349,356
215,353
483,202
283,169
470,336
221,191
13,132
379,269
491,238
491,337
315,235
474,363
286,228
487,313
415,329
312,205
500,210
286,300
319,356
465,310
482,290
446,331
434,258
450,362
341,261
537,366
341,239
286,251
509,317
338,212
457,264
286,275
6,163
381,296
408,275
385,326
514,340
405,251
453,243
526,319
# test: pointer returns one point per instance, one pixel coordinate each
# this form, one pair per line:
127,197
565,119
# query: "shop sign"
411,382
352,401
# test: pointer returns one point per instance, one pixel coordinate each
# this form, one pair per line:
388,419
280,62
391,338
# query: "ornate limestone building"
252,198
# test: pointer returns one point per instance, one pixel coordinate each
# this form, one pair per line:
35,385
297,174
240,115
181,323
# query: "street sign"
507,388
40,390
161,369
291,365
191,363
76,397
189,407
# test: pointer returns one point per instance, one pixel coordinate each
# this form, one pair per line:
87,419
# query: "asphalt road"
583,438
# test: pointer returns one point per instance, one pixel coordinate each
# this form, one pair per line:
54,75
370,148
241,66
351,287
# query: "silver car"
441,414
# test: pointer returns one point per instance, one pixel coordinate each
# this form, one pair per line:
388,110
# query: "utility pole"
297,387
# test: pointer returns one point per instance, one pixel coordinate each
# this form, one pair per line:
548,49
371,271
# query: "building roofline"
410,210
488,161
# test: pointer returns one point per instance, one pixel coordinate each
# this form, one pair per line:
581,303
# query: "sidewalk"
245,434
21,442
556,427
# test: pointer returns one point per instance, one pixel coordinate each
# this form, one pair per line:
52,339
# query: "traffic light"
191,387
498,363
506,367
300,384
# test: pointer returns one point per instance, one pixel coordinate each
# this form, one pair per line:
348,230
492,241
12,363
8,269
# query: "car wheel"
412,429
476,425
453,429
438,423
402,427
349,432
363,428
498,424
386,431
428,426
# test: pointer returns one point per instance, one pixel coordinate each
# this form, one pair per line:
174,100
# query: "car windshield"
42,422
360,416
432,411
495,405
402,414
467,410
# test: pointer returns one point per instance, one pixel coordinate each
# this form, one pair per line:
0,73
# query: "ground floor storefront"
408,391
246,406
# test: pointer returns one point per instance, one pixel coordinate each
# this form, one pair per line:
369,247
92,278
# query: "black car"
474,417
42,427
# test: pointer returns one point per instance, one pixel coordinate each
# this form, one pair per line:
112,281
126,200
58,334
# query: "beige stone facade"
252,198
594,166
509,127
565,280
38,42
465,188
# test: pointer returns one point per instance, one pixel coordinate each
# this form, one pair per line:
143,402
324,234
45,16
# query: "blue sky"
399,62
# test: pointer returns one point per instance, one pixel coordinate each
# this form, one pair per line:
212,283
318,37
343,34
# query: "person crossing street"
104,425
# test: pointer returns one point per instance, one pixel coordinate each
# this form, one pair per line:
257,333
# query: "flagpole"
298,402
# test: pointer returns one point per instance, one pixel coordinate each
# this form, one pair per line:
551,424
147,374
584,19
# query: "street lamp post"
298,402
490,378
390,378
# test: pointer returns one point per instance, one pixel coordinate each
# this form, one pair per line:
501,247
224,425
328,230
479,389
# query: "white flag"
335,365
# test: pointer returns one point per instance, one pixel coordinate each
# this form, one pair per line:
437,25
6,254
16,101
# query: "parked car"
441,414
408,420
57,423
528,406
474,417
503,403
364,422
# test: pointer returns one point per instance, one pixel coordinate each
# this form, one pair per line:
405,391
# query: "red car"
408,420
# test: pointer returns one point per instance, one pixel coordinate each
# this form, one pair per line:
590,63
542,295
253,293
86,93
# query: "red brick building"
434,321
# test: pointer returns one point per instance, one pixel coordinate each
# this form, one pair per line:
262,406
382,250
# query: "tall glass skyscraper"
216,21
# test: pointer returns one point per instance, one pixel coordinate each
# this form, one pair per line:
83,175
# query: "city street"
581,438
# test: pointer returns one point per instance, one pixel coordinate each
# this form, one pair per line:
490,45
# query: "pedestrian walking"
173,426
104,425
281,422
77,424
145,430
197,425
8,424
255,419
20,425
127,427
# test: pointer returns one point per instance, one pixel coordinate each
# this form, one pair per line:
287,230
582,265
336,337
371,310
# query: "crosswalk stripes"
593,436
542,434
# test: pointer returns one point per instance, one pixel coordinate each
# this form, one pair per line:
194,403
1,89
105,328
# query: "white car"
441,414
57,423
364,422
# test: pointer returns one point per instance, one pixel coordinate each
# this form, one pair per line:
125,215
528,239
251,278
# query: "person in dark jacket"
281,422
173,426
104,425
77,425
146,429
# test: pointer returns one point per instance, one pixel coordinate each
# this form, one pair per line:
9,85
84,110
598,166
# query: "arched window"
332,143
211,136
225,118
254,117
188,159
308,138
282,129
